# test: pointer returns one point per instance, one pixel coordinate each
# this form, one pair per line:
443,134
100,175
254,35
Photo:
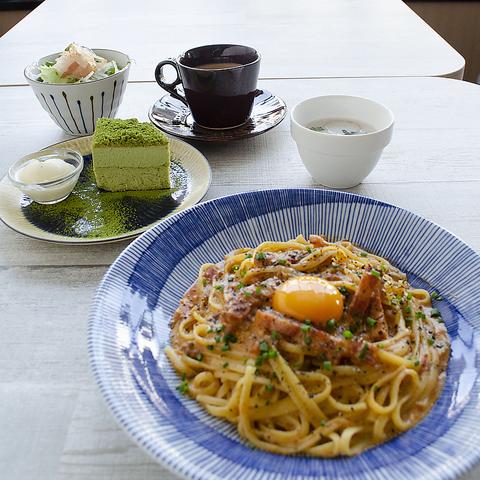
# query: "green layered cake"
130,155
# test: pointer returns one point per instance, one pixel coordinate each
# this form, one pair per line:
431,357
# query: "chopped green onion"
343,290
274,335
225,347
282,261
436,296
260,256
309,249
248,255
375,273
347,334
419,315
430,341
263,346
305,328
219,288
327,365
230,337
258,290
183,387
308,340
272,353
331,324
371,322
269,388
435,313
363,254
363,351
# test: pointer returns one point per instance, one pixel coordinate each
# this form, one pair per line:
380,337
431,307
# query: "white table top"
54,424
297,39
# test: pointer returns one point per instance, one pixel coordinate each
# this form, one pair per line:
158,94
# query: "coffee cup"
219,83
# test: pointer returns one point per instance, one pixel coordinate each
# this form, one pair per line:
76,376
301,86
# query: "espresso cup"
219,83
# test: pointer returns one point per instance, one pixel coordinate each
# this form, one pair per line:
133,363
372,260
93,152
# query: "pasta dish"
309,346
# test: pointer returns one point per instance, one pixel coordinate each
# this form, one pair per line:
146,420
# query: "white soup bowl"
340,161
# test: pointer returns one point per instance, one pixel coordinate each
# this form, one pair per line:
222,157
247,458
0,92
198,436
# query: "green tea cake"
130,155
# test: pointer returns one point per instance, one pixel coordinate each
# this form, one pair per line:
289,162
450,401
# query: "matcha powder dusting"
92,213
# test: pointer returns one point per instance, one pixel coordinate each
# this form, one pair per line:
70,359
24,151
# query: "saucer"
174,117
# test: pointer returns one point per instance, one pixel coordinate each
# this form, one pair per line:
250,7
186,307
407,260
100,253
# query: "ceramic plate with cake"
133,177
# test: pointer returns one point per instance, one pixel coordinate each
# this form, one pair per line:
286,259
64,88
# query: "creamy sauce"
340,126
36,171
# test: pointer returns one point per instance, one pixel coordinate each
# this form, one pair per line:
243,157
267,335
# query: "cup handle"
171,88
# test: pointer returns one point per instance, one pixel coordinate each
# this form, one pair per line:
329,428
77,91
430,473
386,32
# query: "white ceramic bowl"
340,161
53,191
76,107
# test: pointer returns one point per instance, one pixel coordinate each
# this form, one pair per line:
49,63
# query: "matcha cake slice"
130,155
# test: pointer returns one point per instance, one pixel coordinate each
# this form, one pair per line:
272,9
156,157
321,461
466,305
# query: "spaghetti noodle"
260,340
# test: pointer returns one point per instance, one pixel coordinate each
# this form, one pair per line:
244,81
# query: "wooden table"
297,39
53,422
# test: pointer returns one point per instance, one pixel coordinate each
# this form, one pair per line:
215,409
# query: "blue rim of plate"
128,327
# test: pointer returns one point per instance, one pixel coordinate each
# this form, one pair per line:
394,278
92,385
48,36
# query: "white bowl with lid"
333,158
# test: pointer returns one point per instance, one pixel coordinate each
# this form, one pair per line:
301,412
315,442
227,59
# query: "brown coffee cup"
219,83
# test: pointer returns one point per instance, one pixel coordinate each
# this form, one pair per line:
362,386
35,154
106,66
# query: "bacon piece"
367,301
317,241
380,330
363,296
322,344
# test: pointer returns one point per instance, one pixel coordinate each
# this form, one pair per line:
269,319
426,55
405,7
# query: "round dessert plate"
174,117
129,328
90,215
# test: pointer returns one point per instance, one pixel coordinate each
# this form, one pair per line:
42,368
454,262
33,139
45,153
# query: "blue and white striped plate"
132,307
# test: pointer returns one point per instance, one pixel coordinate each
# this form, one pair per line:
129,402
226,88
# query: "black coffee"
218,66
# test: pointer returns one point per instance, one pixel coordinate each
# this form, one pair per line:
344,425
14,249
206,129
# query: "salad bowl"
76,107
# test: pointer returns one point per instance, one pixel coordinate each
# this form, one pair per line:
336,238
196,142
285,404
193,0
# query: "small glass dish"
52,191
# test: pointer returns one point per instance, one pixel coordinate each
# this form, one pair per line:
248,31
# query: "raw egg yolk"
309,298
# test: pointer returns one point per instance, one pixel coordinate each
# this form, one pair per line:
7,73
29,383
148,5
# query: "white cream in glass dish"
48,176
340,138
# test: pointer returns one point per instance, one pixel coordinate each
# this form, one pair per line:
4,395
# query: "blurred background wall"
458,22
